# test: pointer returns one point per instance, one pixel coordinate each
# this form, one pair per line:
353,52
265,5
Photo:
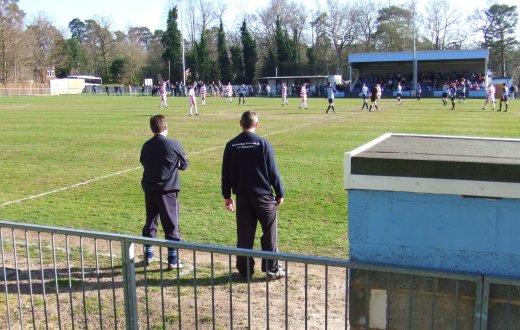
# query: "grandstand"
433,69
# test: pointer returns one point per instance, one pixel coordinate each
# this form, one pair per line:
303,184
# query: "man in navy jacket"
249,170
162,158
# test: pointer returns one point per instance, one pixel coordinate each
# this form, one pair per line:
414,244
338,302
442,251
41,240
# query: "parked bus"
89,80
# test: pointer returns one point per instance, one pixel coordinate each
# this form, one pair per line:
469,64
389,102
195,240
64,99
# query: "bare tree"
367,15
342,27
321,43
11,37
47,47
296,22
99,44
442,25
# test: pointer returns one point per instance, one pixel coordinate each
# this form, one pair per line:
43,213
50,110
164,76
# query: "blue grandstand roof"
441,55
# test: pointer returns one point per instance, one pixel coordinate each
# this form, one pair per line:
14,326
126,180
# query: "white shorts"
491,98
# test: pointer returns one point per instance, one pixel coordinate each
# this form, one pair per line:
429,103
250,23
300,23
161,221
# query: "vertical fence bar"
230,294
29,275
456,304
367,311
267,295
8,311
388,299
347,298
410,310
113,285
434,285
195,288
17,278
162,286
130,297
248,270
326,296
98,284
83,282
286,295
305,295
482,304
508,313
212,291
147,310
67,250
56,282
44,296
179,290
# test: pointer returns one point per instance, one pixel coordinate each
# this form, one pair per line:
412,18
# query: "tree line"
282,38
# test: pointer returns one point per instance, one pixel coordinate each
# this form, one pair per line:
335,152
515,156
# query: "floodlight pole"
414,88
183,53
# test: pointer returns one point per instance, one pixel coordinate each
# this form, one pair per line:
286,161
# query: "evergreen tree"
171,41
203,60
499,29
270,63
250,53
237,67
224,65
282,42
77,29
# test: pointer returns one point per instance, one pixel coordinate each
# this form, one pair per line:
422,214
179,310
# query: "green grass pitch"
73,161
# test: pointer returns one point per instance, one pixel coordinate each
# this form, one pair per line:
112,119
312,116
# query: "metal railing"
58,278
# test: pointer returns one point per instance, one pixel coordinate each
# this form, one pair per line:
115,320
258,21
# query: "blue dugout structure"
443,62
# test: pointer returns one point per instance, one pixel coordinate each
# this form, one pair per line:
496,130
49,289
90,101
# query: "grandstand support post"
350,77
128,265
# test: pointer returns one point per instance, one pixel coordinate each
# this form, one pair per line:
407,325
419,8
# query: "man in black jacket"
162,158
249,170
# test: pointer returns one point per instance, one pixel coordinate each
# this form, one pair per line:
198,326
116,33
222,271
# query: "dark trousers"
165,206
249,211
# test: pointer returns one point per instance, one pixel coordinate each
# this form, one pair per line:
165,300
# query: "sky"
153,14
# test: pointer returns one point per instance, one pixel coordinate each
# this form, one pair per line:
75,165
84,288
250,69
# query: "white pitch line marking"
84,183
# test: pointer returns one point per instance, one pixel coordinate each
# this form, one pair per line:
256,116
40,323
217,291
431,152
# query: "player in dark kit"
373,98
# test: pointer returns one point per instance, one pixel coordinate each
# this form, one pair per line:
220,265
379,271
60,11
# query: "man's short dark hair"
158,124
248,119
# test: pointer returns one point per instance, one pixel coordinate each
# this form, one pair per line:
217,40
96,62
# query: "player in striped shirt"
303,96
490,96
229,93
202,92
193,99
284,94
